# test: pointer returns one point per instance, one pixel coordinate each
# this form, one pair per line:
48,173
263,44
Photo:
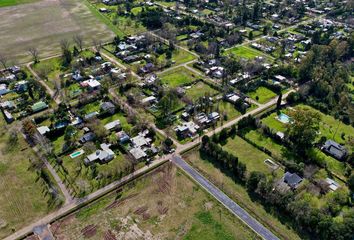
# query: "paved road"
225,200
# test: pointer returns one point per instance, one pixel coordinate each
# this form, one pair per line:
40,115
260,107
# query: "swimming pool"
283,118
77,153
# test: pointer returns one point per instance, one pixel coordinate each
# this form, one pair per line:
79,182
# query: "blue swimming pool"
283,118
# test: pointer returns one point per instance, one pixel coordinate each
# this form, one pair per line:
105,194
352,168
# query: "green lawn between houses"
263,94
247,52
249,155
200,89
177,77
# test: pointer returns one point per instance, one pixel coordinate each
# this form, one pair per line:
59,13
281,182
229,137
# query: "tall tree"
303,127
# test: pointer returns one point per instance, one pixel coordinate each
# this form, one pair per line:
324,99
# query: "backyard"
247,52
262,95
177,77
163,204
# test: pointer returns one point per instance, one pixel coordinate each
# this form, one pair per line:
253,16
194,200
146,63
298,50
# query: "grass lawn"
200,89
177,77
91,107
22,198
228,108
249,155
239,194
123,121
264,141
247,52
272,122
163,204
6,3
181,56
166,4
263,95
60,21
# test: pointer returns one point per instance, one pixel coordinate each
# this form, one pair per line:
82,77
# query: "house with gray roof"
335,150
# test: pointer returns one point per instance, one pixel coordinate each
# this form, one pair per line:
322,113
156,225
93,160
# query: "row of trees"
224,159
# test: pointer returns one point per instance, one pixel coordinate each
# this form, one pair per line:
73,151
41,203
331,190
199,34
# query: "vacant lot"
177,77
200,89
163,205
43,24
239,194
247,52
249,155
22,198
262,95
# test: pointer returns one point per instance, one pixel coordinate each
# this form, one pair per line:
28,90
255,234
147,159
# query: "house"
8,105
90,115
104,155
149,100
112,126
141,141
232,98
3,89
292,180
39,106
21,86
87,137
280,78
138,153
335,150
122,137
14,69
332,185
214,116
77,76
43,130
187,129
91,84
8,116
149,67
108,107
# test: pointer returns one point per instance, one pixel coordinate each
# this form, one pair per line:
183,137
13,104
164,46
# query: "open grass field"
6,3
239,194
249,155
46,23
177,77
22,198
200,89
262,95
162,205
247,52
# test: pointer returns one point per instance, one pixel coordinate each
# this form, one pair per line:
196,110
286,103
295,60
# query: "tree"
97,44
33,51
279,101
250,35
253,180
79,41
351,183
168,142
302,129
3,61
65,48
